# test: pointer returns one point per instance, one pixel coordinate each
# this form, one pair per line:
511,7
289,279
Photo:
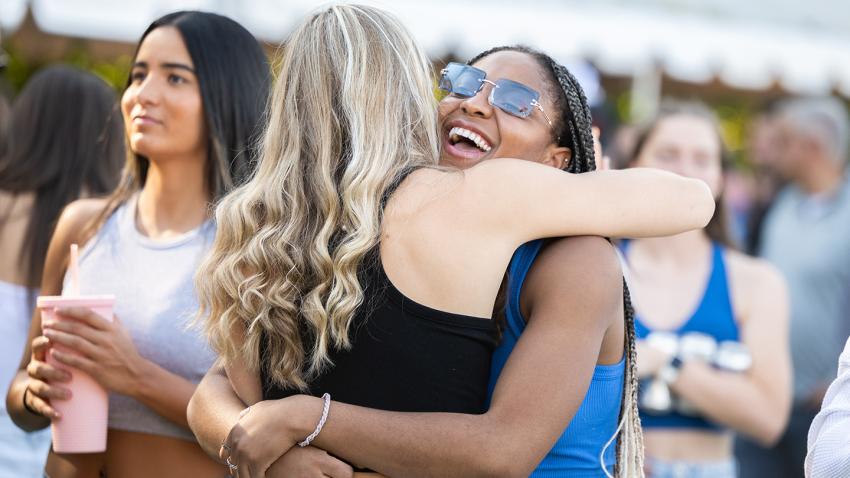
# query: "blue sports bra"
714,317
576,453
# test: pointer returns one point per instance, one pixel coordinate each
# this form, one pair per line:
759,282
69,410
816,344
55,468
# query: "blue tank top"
713,317
576,453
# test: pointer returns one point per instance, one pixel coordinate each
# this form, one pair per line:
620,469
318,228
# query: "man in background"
806,234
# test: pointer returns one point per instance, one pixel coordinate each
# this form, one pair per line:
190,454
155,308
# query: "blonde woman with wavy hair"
351,265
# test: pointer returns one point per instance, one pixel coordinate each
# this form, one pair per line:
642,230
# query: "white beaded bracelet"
327,398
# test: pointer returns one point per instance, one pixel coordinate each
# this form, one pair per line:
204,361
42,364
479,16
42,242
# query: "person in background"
763,148
192,107
829,436
712,322
5,117
65,141
806,235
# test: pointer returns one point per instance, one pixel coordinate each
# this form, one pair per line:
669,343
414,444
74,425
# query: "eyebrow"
173,66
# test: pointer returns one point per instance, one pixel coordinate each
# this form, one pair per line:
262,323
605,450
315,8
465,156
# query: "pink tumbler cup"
82,426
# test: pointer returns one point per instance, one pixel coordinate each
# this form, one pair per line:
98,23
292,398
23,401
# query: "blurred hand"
104,349
39,392
650,359
815,398
309,462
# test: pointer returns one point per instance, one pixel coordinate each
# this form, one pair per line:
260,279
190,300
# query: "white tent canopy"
805,54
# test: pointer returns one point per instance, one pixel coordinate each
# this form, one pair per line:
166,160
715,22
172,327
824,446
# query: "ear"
557,156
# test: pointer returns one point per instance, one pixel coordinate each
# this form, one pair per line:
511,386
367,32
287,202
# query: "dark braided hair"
572,122
572,129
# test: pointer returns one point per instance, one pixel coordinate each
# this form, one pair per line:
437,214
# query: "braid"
630,445
572,129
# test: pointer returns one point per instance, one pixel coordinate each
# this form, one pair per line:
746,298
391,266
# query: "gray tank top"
155,299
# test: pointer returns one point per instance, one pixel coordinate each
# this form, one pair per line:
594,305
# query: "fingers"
336,468
73,360
36,404
86,316
40,345
78,343
43,371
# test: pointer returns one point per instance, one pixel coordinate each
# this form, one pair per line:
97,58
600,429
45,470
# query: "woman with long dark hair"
64,141
712,322
192,107
350,264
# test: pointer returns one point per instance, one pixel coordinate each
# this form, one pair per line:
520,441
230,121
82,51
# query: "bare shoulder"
585,264
79,214
70,229
422,187
753,281
72,226
753,274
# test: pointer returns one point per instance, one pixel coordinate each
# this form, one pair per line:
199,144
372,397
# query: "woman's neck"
174,199
680,249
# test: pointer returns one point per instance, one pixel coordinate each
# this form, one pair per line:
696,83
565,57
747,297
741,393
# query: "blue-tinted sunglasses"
507,95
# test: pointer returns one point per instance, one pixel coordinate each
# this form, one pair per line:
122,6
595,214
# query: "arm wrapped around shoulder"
541,201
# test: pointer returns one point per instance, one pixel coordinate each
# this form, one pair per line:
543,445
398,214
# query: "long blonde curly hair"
352,110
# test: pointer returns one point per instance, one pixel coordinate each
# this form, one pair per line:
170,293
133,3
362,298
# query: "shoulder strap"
517,272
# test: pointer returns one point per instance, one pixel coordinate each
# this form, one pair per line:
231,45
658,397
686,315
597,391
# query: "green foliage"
114,72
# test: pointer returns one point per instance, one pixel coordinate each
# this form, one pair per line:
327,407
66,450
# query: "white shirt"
829,436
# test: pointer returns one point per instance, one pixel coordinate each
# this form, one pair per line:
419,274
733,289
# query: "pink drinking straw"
74,271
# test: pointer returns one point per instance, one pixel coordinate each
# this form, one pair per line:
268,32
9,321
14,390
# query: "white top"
21,454
152,281
829,436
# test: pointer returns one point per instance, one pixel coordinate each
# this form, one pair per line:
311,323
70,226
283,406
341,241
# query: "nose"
149,91
479,104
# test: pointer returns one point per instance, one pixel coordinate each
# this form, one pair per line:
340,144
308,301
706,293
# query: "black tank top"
405,356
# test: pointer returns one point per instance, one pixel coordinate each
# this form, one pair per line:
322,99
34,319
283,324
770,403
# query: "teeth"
456,133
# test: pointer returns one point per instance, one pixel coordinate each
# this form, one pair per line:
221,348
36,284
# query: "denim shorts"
688,469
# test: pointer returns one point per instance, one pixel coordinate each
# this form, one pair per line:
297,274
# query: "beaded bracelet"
327,398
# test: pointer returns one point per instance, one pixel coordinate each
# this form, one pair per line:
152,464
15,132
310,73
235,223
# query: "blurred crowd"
739,326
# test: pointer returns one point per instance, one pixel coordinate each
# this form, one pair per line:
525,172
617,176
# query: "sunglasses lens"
514,98
461,80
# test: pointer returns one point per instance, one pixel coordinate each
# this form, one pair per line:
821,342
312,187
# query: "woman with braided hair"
588,354
712,323
436,368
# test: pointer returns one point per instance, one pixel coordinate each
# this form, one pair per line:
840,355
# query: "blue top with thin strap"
577,452
714,317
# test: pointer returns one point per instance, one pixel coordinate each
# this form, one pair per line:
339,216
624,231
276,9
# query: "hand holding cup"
44,381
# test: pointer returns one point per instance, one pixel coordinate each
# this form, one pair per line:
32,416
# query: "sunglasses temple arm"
537,105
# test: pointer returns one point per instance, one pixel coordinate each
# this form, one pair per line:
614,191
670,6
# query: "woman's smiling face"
472,130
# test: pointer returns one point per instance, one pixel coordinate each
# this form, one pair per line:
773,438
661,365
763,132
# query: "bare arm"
520,427
538,392
72,220
213,410
756,403
540,201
